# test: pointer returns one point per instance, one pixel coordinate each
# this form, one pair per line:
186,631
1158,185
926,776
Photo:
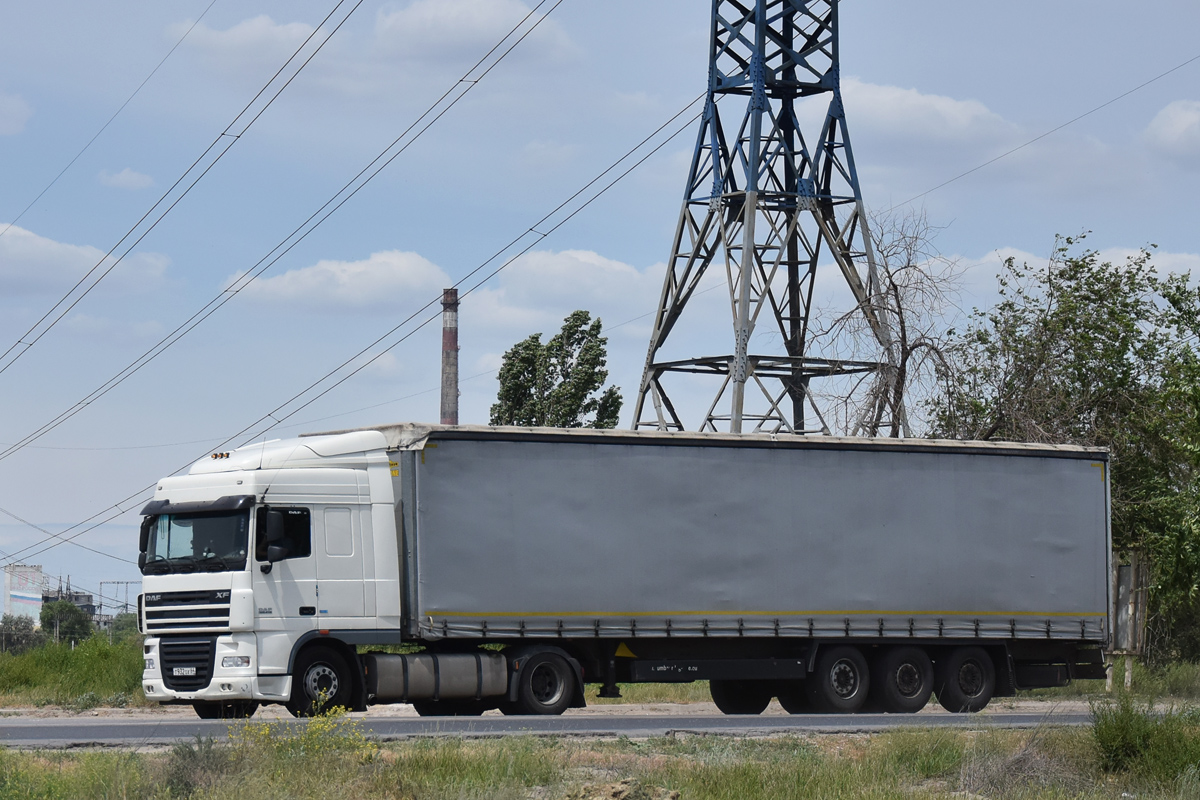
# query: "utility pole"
765,203
450,357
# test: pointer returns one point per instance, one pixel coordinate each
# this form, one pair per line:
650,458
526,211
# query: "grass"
93,673
1131,750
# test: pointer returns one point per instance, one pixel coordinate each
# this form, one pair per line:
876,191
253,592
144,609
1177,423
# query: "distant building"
23,590
84,600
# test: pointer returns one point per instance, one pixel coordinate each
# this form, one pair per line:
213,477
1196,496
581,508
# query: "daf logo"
154,597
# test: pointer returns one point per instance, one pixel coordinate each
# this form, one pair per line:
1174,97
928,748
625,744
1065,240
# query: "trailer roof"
414,435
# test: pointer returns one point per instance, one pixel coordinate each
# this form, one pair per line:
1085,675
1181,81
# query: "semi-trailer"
467,568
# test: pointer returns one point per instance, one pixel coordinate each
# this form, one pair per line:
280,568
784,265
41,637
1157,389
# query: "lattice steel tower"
762,201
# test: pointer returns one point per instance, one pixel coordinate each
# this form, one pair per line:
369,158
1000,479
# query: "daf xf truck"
462,569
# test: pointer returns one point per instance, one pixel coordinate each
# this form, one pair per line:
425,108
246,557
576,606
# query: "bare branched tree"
915,296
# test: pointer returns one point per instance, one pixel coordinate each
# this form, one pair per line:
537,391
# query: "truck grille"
187,664
187,612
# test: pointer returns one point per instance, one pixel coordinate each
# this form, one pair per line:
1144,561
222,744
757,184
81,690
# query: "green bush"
1133,737
92,673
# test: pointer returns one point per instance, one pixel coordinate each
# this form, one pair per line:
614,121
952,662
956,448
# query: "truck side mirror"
142,559
144,535
276,552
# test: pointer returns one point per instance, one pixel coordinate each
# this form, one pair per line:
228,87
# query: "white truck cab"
255,551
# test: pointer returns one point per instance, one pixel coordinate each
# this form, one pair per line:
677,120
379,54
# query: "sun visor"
236,502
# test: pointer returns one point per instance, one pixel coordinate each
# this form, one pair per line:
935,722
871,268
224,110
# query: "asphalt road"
60,732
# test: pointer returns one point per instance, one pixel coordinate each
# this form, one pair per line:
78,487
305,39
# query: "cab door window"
297,532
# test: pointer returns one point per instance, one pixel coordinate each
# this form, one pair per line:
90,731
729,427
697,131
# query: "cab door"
287,590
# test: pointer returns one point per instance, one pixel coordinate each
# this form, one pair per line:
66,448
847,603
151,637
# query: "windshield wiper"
215,561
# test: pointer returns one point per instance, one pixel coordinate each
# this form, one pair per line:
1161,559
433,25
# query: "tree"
1091,353
64,621
555,384
124,626
915,288
17,634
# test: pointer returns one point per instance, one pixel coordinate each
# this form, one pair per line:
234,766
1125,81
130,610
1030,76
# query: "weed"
194,765
1132,736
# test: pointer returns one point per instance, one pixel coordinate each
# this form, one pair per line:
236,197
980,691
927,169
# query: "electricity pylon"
762,201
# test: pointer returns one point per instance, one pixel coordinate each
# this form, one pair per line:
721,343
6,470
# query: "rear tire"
840,682
321,680
236,709
966,680
545,685
902,680
740,697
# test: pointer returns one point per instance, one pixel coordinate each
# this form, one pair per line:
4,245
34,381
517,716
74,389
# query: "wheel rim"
546,684
321,680
843,678
970,679
908,680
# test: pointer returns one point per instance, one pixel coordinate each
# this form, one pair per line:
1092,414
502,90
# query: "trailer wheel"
966,679
740,697
450,708
545,685
902,680
237,709
840,682
320,680
793,697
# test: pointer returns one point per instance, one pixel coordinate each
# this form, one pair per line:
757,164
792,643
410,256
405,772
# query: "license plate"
179,671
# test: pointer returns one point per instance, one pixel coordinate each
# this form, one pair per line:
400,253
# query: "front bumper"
227,683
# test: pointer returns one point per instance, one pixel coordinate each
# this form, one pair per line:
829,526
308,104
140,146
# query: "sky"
933,88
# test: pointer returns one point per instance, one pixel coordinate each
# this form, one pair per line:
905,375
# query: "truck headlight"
235,661
149,663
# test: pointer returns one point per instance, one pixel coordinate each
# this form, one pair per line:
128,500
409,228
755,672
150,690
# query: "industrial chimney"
450,357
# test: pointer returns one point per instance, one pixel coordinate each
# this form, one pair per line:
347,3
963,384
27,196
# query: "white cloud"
1175,131
911,113
539,289
14,113
380,281
30,264
125,179
456,29
258,39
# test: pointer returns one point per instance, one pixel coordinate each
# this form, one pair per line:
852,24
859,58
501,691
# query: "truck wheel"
237,709
840,682
450,708
793,697
902,680
740,697
545,685
320,681
965,680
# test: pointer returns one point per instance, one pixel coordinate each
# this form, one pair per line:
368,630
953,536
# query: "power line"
276,415
458,90
1038,138
104,127
69,300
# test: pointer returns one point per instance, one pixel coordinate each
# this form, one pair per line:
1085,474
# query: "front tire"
966,680
740,697
321,680
841,681
902,680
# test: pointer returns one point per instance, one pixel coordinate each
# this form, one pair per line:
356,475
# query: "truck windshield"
212,542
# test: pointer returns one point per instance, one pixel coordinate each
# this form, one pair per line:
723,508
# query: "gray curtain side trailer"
833,574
